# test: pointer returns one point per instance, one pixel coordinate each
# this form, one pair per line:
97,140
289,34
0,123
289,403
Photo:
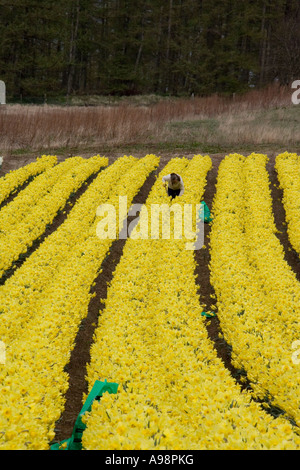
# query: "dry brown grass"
214,120
54,127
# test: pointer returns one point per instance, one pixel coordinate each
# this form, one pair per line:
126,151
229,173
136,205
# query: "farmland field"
203,343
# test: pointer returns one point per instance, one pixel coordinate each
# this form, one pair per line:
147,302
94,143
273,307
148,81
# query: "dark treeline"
177,47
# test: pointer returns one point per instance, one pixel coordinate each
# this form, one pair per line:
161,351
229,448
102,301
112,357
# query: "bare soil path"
80,356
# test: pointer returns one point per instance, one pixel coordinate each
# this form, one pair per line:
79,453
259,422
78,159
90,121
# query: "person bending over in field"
175,184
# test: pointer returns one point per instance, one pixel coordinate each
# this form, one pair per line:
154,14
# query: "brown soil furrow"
206,290
80,355
291,256
17,190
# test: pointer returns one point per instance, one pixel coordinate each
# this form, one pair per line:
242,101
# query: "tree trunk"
72,49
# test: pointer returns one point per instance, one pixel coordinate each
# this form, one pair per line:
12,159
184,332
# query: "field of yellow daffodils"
258,294
43,303
174,392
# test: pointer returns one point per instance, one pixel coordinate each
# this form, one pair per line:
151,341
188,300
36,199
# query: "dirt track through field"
206,290
80,356
291,256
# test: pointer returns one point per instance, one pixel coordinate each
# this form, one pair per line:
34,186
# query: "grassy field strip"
27,216
174,393
247,263
211,123
10,182
287,166
33,379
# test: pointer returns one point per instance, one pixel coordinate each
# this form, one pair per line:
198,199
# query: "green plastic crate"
204,213
74,442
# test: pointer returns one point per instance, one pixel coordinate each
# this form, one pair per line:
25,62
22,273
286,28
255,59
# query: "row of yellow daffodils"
287,166
257,292
15,178
33,380
25,202
174,392
27,216
20,296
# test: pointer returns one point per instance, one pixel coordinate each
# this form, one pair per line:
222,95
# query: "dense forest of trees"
176,47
